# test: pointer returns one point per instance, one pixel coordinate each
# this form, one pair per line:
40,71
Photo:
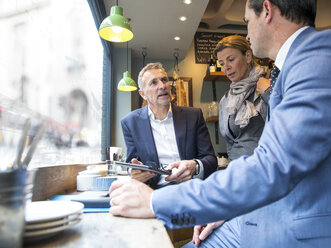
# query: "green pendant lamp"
115,27
127,83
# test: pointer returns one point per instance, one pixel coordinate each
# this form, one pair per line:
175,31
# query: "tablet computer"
144,168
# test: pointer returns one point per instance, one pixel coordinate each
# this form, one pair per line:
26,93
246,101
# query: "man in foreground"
281,188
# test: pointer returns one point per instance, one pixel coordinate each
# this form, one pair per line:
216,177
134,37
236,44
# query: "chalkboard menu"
205,43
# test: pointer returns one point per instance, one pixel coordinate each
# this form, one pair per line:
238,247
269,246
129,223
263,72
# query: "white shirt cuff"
201,172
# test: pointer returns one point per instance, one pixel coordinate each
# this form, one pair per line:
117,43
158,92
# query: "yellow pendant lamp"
116,28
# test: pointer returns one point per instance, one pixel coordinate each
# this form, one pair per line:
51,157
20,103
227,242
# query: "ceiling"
155,23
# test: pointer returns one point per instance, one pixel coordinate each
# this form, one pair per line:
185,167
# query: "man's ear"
268,11
141,93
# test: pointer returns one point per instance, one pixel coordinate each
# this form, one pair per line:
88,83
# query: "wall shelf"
213,77
216,76
212,119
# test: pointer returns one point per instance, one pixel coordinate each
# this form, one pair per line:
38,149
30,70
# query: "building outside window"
50,71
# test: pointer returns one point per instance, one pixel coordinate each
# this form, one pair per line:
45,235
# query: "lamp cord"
176,67
144,53
127,56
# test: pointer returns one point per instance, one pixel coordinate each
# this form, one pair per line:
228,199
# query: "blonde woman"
242,109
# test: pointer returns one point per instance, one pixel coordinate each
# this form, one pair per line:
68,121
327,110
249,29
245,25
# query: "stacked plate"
44,219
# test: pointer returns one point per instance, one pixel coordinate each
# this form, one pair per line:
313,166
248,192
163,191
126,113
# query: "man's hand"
130,198
140,175
202,232
262,85
181,171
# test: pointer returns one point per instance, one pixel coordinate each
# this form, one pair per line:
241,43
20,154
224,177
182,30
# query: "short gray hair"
150,66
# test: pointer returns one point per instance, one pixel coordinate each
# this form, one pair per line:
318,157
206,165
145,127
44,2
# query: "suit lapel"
297,42
302,36
180,126
147,137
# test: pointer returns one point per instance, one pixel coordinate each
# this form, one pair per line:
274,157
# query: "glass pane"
50,71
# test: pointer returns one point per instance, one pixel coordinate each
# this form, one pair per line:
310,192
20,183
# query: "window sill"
56,179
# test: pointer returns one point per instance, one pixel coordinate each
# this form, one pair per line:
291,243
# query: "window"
50,71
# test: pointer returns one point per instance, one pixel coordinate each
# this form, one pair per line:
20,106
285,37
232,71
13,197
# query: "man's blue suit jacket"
192,138
285,186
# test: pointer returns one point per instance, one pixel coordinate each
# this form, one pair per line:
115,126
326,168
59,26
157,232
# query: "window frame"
98,11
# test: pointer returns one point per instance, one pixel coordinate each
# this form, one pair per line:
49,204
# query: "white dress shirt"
165,142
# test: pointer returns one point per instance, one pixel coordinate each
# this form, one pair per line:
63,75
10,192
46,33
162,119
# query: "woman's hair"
150,66
234,41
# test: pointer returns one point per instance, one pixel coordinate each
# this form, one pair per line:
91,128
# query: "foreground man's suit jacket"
288,178
192,138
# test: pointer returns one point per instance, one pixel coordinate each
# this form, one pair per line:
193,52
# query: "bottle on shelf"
218,66
212,63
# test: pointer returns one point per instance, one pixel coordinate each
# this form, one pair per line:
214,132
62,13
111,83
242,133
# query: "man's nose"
161,84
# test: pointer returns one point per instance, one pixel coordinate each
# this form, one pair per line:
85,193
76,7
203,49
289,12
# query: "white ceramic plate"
45,211
48,232
53,223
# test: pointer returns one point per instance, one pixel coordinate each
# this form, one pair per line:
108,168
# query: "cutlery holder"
15,190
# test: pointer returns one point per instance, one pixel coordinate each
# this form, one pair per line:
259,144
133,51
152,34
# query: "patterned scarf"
239,92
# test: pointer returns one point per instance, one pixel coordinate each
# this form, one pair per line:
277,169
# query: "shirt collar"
152,117
281,56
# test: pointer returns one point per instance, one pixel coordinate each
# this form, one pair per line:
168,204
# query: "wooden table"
95,229
105,230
